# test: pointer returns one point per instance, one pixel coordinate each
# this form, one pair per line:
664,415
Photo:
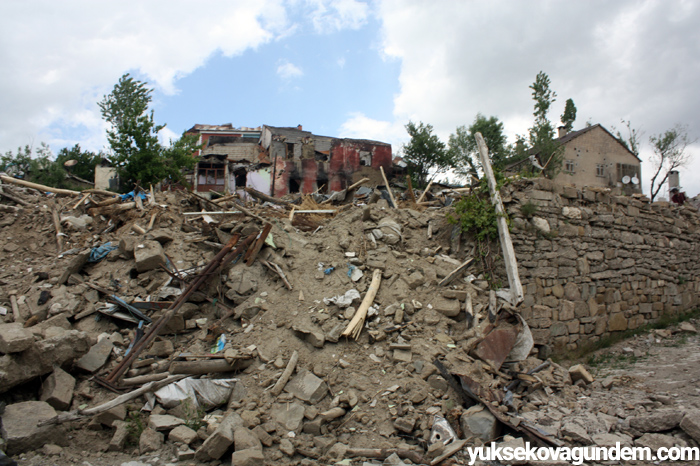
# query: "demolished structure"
279,333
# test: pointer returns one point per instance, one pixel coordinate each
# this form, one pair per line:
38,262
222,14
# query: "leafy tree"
425,153
542,132
669,154
463,150
569,115
137,154
18,165
633,140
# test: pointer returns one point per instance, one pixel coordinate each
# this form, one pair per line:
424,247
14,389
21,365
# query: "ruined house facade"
283,160
594,157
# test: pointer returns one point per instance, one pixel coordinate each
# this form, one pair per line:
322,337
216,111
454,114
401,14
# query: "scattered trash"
204,393
100,252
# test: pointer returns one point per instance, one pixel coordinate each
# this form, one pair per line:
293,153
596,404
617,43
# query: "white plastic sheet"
205,393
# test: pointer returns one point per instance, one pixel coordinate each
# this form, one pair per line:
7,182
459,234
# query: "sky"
350,68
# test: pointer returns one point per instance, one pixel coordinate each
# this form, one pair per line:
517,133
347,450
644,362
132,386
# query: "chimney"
299,127
562,131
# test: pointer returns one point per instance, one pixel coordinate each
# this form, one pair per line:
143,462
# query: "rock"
337,451
576,432
247,458
161,348
688,327
447,307
97,356
265,438
127,244
657,421
182,434
691,424
149,255
656,441
610,440
405,424
57,389
20,431
164,422
120,435
286,447
289,417
150,440
244,439
479,422
513,444
415,280
578,372
185,455
51,450
14,338
310,334
400,355
220,440
307,387
109,417
74,266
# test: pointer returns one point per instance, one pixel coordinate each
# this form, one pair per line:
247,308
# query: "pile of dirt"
440,362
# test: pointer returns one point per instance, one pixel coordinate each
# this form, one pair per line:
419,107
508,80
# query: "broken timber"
456,272
40,187
355,326
515,294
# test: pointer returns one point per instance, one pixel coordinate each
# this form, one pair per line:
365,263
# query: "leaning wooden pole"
516,289
355,326
40,187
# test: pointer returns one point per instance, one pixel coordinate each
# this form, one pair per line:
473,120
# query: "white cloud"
288,70
624,59
360,126
335,15
64,56
341,62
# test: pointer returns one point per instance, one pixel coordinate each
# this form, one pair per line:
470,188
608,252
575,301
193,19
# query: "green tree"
425,153
670,153
542,132
464,152
137,154
569,115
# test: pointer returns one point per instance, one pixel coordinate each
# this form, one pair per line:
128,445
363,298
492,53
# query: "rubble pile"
166,331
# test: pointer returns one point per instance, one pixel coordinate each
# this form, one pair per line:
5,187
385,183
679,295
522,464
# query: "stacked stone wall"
593,263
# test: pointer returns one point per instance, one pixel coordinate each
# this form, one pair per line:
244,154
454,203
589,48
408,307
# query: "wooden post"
57,225
515,295
420,199
388,188
410,188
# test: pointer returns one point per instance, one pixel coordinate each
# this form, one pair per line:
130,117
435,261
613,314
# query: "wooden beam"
515,294
354,328
420,199
40,187
388,188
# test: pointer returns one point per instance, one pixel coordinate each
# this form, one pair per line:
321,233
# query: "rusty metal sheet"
496,346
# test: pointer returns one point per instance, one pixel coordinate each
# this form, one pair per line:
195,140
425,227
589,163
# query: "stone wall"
592,262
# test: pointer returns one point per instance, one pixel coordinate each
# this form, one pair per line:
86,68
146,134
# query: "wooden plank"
40,187
253,252
515,295
456,272
388,188
420,199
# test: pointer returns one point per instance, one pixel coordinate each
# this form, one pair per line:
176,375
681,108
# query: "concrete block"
220,440
289,416
14,338
20,431
148,255
247,458
447,307
245,439
479,422
182,434
110,417
97,356
119,438
57,389
164,422
307,387
150,440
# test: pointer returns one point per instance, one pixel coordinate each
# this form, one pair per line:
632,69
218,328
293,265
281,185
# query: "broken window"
294,186
240,176
365,158
290,150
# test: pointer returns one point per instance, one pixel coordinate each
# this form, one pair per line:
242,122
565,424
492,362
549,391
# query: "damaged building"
283,160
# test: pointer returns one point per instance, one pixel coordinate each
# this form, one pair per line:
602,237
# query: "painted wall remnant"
283,160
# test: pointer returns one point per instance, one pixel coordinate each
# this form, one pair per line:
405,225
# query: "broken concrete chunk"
657,421
244,439
127,244
57,389
14,338
182,434
656,441
74,266
578,372
164,422
149,255
289,416
310,334
218,442
97,356
20,431
119,438
150,440
691,424
479,422
307,387
447,307
247,458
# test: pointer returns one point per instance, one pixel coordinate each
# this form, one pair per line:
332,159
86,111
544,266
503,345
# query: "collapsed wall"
593,263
